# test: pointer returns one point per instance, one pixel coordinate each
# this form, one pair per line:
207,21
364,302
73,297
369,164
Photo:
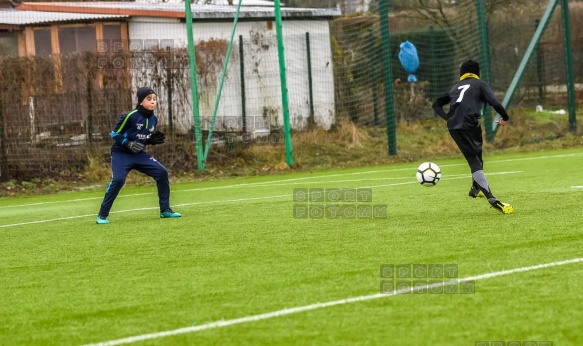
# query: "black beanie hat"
470,66
143,92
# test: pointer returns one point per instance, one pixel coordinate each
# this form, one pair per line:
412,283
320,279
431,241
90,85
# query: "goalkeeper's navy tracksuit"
134,126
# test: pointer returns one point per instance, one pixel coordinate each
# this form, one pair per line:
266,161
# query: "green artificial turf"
238,251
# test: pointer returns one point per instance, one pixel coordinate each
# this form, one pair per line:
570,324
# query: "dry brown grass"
345,145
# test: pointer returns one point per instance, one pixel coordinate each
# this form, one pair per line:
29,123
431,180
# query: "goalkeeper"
131,134
468,99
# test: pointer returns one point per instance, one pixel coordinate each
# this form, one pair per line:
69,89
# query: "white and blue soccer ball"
428,174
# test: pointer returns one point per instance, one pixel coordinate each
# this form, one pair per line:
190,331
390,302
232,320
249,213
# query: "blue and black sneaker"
168,213
101,220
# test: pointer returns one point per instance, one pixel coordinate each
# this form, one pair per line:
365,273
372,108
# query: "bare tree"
433,9
450,14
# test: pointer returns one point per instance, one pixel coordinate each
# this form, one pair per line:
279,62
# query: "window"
8,44
112,37
42,43
77,39
111,32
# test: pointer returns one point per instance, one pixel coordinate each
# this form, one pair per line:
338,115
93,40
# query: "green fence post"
569,62
484,61
242,68
169,82
311,120
434,92
388,77
194,87
283,79
4,172
539,68
373,76
90,109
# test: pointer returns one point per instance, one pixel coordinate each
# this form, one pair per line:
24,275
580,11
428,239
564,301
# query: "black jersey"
468,100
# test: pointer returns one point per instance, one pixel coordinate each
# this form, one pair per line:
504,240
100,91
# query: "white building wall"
297,72
355,6
262,77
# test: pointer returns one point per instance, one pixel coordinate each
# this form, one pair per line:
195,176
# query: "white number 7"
464,88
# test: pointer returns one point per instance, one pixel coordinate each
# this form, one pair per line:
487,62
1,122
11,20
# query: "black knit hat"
143,92
470,66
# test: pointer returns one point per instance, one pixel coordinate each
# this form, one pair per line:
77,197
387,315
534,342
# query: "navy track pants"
122,164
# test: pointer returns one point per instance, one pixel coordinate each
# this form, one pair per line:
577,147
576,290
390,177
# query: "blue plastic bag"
409,60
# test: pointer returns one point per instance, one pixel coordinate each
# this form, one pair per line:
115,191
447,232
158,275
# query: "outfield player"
131,134
468,99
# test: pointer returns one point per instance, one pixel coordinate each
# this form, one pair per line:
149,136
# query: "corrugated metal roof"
199,11
12,17
216,2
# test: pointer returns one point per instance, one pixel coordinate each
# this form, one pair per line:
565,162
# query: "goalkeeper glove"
156,138
134,147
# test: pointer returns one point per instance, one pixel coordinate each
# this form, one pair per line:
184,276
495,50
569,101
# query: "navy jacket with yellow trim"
132,126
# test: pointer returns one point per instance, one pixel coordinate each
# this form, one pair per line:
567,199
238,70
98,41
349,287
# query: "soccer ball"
428,174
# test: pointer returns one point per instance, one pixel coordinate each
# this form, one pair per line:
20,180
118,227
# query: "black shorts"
469,141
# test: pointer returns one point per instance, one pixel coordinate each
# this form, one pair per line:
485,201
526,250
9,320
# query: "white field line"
70,200
290,311
452,176
150,208
262,184
237,200
278,182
